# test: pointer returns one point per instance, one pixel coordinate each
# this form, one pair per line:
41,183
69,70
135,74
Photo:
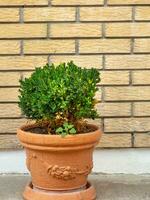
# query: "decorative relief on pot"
66,172
61,172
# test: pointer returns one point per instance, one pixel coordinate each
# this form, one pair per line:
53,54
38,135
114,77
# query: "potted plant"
59,142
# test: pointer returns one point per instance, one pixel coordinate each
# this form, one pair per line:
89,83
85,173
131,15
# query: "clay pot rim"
29,138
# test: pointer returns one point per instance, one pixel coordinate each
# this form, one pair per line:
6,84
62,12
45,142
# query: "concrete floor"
109,187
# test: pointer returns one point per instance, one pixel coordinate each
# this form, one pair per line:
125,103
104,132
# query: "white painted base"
127,161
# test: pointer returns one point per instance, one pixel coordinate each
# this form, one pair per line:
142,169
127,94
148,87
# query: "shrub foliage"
60,96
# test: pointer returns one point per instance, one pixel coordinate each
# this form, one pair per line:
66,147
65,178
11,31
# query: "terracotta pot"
57,163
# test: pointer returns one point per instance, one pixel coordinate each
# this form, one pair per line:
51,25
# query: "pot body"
57,163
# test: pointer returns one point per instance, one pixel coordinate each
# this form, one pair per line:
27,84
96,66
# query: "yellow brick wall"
110,35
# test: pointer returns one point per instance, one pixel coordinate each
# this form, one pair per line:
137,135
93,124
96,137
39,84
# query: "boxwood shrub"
60,97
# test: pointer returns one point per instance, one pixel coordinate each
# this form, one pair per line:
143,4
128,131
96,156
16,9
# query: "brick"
128,30
9,47
49,46
142,140
68,30
10,125
128,62
22,62
8,94
82,61
9,15
127,124
114,109
77,2
141,77
115,141
9,110
142,46
133,93
22,2
23,30
50,14
142,14
105,46
128,2
105,14
9,78
142,109
114,78
9,142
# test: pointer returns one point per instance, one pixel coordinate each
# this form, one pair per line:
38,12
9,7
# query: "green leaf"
70,126
72,131
59,130
65,124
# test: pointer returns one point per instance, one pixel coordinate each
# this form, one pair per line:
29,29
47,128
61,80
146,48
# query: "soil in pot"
44,130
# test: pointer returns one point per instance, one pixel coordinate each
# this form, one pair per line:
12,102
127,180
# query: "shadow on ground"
108,187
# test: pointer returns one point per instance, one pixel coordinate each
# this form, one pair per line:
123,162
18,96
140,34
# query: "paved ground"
109,187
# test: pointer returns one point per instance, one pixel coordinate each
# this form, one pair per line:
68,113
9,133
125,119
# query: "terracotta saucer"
32,193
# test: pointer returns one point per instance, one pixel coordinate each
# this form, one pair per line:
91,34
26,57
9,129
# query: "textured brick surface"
9,15
128,62
9,142
134,93
142,13
22,2
15,123
8,94
142,140
127,125
49,14
115,140
114,109
115,78
49,46
142,109
142,45
105,46
75,30
129,2
9,47
8,110
128,30
110,35
141,77
21,62
106,14
9,78
77,2
23,30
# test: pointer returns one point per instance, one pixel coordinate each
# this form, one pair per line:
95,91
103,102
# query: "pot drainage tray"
87,193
